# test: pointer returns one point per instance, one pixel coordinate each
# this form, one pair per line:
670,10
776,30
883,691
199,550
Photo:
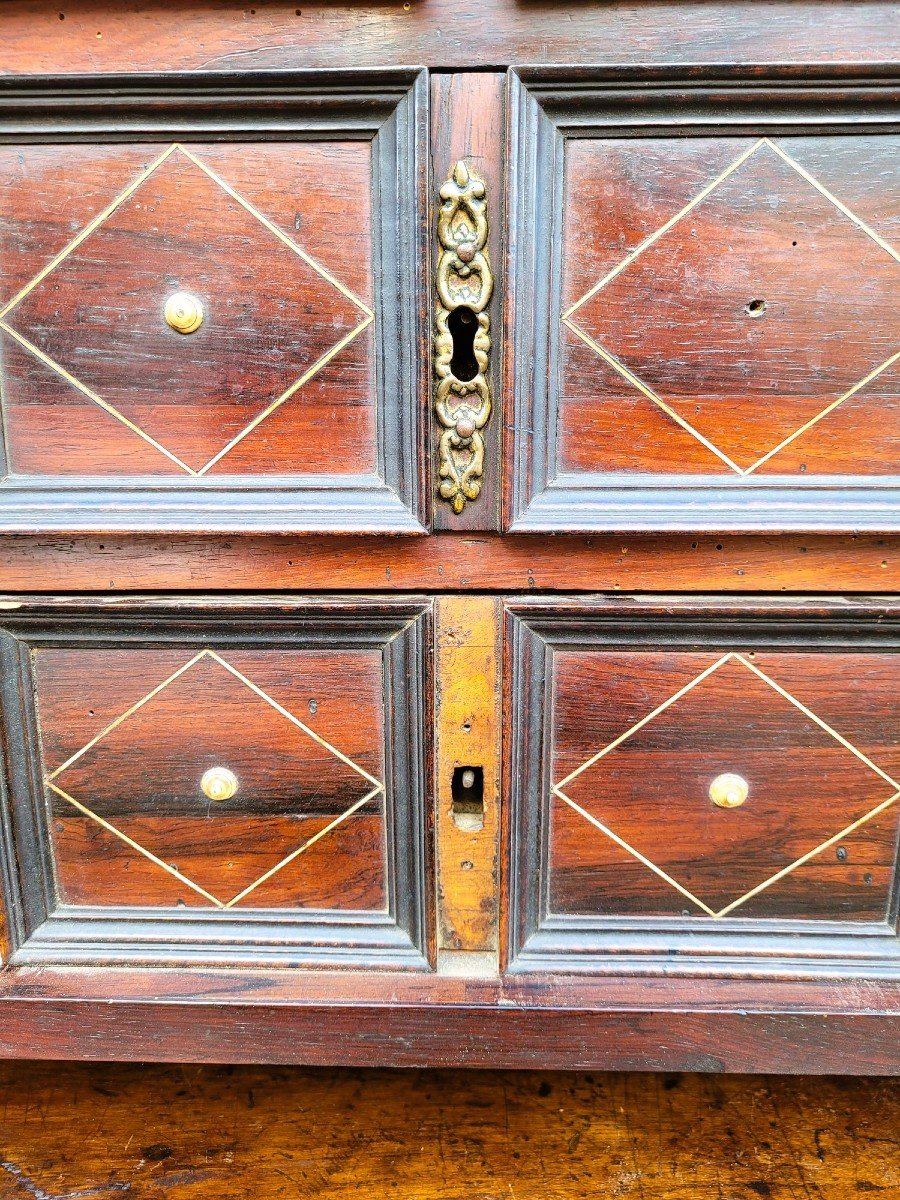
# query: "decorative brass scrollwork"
464,283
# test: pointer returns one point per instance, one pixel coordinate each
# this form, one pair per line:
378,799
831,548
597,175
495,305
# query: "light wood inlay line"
302,849
295,720
804,858
654,237
317,366
125,715
657,870
645,390
817,720
113,829
91,395
88,229
644,720
556,789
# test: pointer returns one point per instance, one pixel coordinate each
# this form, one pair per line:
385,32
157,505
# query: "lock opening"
463,325
467,796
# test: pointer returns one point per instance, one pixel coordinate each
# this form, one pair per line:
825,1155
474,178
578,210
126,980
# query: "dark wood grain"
294,210
468,122
445,563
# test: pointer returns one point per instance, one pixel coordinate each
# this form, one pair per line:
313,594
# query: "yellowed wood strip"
468,735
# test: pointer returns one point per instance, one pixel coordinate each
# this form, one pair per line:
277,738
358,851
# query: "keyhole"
463,325
467,793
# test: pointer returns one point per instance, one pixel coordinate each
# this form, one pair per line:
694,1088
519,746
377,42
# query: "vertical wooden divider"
468,738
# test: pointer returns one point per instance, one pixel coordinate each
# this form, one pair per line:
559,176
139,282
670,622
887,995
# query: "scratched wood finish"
699,280
317,714
468,735
271,319
457,563
292,212
171,1132
93,36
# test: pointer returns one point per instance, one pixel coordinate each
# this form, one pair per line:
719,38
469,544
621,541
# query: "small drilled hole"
467,794
756,308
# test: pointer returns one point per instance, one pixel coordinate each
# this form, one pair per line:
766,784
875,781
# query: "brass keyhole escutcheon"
183,312
218,783
729,791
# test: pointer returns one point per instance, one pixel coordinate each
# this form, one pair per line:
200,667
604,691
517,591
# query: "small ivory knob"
218,783
729,791
183,312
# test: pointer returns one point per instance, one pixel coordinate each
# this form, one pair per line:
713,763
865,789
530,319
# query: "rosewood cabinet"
449,529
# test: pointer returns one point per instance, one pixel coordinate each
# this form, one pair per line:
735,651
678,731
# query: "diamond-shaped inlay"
649,790
156,768
273,317
751,314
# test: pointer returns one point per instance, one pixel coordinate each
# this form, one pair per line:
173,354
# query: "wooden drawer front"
717,335
704,779
222,774
287,372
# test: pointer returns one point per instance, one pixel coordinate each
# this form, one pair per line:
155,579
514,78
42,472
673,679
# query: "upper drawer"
208,299
705,295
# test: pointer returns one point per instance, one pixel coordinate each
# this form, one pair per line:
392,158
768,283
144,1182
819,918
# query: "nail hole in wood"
756,308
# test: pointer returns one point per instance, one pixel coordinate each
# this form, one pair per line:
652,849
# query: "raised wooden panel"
716,338
316,827
292,224
625,718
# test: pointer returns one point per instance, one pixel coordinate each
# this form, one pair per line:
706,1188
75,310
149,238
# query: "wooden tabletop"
192,1133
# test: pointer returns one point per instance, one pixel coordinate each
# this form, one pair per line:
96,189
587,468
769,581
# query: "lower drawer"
703,786
216,781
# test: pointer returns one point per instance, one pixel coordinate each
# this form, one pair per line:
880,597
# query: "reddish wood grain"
681,315
787,563
652,789
269,316
143,775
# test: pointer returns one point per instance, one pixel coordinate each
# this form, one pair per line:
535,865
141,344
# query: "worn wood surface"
467,733
467,122
192,1133
221,35
452,563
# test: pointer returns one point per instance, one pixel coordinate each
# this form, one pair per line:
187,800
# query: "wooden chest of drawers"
448,534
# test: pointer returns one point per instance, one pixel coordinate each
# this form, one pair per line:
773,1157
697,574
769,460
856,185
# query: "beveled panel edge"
544,106
650,505
43,932
168,104
536,942
349,506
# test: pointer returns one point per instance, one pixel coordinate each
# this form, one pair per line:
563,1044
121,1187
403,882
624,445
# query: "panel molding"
548,105
43,930
538,941
390,111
